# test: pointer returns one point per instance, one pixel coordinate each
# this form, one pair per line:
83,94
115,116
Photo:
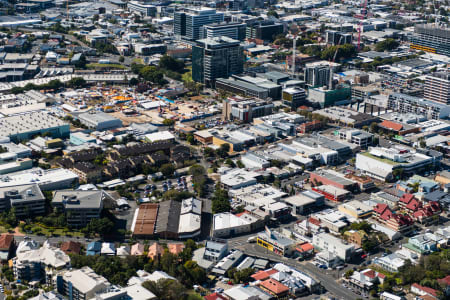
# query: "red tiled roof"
445,280
406,198
314,221
215,296
263,275
414,205
426,289
175,248
435,206
370,273
382,276
71,247
274,286
403,219
5,241
387,214
305,247
380,208
391,125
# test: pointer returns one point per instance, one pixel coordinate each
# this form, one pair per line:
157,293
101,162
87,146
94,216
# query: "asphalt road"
327,281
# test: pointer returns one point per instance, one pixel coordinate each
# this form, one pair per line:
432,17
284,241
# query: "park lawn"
105,66
57,231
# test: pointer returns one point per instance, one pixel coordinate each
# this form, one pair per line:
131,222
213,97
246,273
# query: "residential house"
424,290
365,280
155,250
175,248
274,288
94,248
137,249
7,246
108,249
215,296
355,237
71,247
215,251
390,263
422,243
123,251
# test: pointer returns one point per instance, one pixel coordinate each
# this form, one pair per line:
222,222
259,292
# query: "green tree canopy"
387,45
172,64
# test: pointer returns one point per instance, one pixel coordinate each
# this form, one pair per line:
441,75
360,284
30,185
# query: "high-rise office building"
437,87
188,24
217,57
293,97
232,30
179,23
431,38
334,37
264,30
317,74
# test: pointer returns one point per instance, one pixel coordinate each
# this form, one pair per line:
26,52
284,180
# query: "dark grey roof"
78,199
24,193
438,196
168,216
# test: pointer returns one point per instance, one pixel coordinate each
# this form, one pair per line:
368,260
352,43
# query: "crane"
361,17
330,84
67,10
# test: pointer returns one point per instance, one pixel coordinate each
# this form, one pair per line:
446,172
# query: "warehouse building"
24,126
330,177
99,121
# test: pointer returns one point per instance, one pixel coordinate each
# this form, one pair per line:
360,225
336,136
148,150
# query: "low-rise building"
99,121
227,224
333,178
356,209
81,284
238,178
380,163
304,202
422,244
80,207
365,280
275,242
24,126
144,220
361,138
332,193
327,242
390,263
397,222
7,246
27,200
190,218
356,237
